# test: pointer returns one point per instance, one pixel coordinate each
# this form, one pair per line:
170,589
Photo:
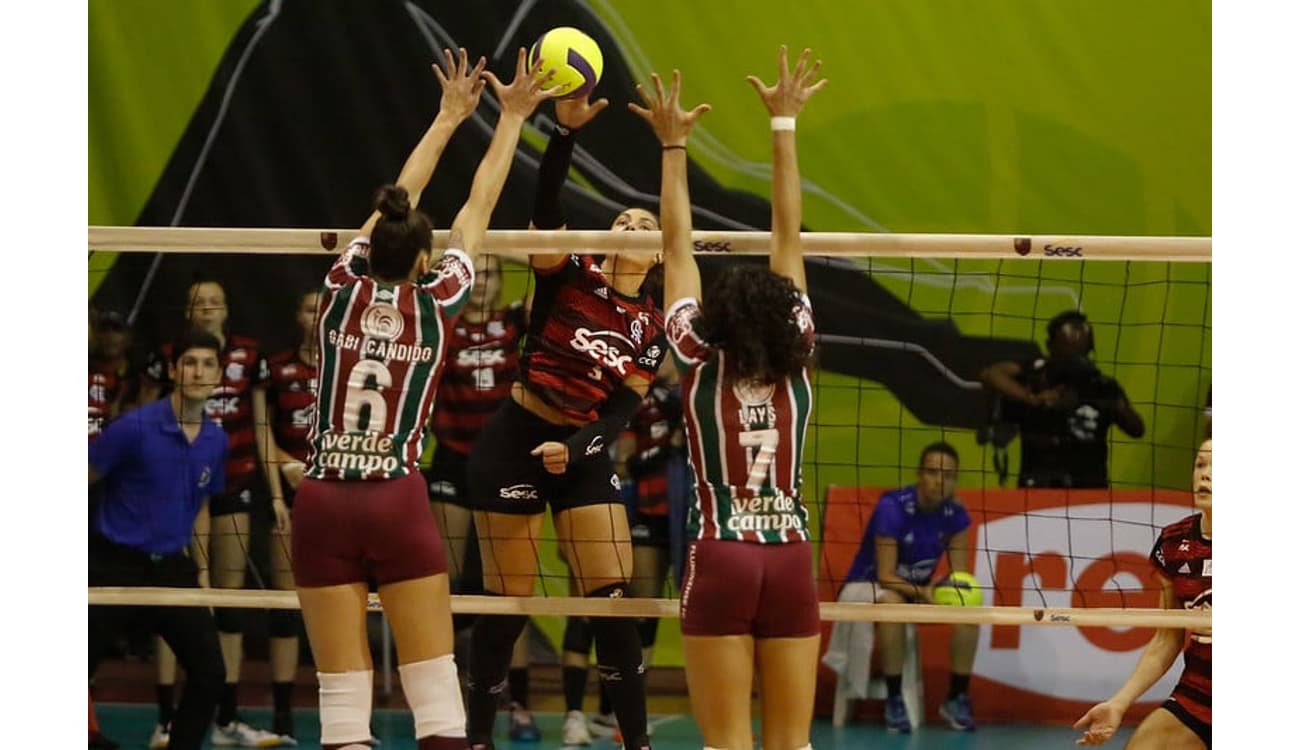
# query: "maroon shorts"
357,531
746,588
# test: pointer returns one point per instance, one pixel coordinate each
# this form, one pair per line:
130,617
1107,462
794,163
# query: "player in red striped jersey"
1182,558
744,353
292,402
594,343
109,369
237,404
362,510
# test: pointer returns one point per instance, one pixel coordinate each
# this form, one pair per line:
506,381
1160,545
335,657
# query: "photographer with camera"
1064,407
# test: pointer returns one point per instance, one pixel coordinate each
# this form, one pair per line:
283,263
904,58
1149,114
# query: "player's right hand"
1100,723
576,113
527,90
792,89
663,111
461,84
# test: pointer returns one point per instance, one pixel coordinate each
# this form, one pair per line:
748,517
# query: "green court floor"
130,725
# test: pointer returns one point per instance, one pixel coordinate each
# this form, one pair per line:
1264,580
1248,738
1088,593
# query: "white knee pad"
433,693
345,706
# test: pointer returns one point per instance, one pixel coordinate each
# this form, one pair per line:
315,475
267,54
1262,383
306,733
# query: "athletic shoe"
239,734
161,737
522,727
575,729
604,725
956,711
896,715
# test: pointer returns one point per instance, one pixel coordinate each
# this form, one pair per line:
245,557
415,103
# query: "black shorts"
448,477
650,531
504,478
238,500
1200,728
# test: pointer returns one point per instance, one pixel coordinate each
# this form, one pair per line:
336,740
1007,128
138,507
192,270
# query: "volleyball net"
906,325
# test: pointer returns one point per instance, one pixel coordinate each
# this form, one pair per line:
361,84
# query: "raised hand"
575,113
792,89
461,85
526,91
1099,724
670,122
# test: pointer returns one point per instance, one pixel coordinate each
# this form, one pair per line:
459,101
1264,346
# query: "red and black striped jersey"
107,380
657,422
585,338
381,353
293,401
482,363
1182,555
243,368
745,440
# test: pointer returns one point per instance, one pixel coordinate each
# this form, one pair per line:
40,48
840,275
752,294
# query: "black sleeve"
594,438
551,173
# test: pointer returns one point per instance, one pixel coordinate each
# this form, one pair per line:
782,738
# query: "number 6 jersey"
381,354
745,440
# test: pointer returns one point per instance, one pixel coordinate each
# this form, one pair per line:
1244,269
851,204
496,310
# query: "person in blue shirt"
909,531
156,467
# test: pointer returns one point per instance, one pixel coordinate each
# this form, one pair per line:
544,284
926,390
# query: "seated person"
909,531
1064,407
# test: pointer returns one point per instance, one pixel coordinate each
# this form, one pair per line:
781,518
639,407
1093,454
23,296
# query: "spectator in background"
482,362
1064,406
909,530
291,405
110,336
236,404
158,466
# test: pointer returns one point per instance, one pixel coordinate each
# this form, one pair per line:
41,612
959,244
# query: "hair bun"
393,202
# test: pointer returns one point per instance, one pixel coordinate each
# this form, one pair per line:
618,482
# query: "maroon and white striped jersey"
381,354
745,440
1182,556
482,364
585,338
293,398
243,368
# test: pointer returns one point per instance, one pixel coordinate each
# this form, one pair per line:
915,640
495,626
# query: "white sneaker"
603,725
575,729
161,737
239,734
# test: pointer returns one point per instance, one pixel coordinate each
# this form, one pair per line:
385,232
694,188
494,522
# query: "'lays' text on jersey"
585,338
381,353
745,440
482,363
1182,555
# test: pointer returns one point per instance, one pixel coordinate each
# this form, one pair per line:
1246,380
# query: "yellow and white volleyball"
575,57
959,590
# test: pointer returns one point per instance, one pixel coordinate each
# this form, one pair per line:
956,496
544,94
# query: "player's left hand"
576,113
663,111
461,85
1101,721
555,456
792,89
281,510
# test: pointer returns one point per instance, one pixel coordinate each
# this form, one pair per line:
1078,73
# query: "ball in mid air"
575,57
959,590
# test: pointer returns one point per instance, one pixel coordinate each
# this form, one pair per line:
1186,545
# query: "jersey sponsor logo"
651,357
382,321
220,407
302,417
484,357
638,331
1201,602
605,352
776,512
596,445
363,452
518,492
496,328
205,477
602,292
234,371
442,488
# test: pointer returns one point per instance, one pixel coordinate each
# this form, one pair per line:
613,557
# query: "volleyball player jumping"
1182,557
362,511
744,353
594,343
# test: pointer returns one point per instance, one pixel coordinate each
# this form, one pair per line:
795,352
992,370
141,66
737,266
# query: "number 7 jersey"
745,440
381,354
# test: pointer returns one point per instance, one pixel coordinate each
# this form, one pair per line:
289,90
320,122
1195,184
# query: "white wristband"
783,123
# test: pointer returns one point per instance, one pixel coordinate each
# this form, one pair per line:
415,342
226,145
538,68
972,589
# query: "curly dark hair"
400,235
746,312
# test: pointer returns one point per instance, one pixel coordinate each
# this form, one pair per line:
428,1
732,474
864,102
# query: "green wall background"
999,116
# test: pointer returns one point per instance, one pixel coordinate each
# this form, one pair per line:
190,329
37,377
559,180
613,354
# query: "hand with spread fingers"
664,112
576,113
461,84
792,89
526,91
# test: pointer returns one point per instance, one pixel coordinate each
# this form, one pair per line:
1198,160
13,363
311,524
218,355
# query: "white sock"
433,693
345,706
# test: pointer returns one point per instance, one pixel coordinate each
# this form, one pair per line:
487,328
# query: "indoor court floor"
130,725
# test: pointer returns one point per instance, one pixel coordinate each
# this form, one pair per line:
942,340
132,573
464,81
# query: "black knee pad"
490,648
618,645
648,629
577,635
229,620
283,623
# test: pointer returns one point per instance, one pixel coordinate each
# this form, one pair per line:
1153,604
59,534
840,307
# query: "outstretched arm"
672,126
461,87
518,100
784,101
571,115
